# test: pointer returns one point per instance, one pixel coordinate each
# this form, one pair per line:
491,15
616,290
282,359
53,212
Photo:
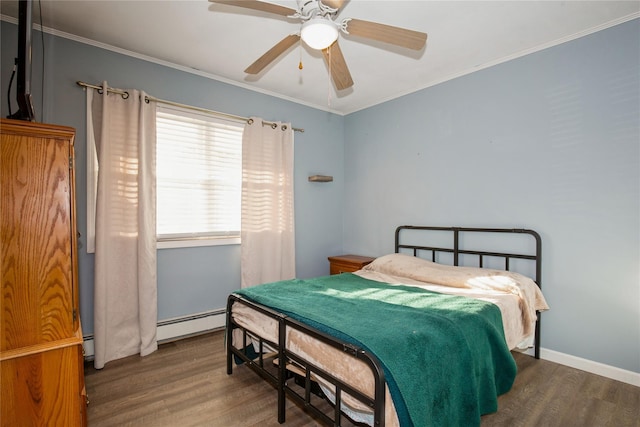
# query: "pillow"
415,268
402,265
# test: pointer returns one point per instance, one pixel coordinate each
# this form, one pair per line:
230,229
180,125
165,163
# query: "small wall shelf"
320,178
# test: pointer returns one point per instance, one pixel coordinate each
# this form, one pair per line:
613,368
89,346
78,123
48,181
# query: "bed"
421,336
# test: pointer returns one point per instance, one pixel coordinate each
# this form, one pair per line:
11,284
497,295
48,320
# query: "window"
198,177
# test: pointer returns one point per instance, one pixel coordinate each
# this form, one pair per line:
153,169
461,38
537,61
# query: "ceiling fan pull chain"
300,67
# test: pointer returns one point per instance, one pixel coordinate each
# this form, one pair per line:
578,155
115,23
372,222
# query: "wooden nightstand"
347,263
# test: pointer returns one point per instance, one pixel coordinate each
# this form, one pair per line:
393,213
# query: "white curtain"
267,226
125,288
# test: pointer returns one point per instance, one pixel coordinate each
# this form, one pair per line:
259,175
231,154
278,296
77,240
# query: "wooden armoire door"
38,289
40,332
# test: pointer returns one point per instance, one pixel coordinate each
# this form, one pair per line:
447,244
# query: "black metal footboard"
278,375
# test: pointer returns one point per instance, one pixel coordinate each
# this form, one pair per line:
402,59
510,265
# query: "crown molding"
221,79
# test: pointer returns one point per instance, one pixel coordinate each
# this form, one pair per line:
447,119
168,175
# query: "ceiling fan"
320,31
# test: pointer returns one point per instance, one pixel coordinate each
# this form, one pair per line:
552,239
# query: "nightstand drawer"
347,263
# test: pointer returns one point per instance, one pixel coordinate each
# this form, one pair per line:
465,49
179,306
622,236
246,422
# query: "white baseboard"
586,365
178,327
172,329
597,368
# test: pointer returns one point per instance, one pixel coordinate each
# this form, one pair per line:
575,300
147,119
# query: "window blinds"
199,175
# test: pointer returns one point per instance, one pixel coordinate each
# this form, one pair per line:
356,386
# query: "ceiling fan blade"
337,67
259,5
334,4
272,54
387,34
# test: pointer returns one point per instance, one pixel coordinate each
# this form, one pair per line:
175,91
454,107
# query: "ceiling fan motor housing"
308,9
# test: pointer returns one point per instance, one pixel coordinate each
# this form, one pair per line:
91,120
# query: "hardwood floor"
185,384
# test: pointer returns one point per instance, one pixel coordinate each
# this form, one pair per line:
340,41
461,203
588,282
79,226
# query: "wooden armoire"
41,355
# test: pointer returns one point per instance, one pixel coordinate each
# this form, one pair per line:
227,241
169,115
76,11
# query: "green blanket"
444,357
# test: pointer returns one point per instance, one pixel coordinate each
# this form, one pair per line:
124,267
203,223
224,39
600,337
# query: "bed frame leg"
537,337
281,393
282,370
281,414
229,338
229,362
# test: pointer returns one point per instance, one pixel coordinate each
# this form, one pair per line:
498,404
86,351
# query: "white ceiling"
220,41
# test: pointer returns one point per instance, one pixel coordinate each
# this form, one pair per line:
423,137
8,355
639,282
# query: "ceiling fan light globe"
319,33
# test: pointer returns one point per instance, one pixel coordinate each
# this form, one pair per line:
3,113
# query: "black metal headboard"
452,241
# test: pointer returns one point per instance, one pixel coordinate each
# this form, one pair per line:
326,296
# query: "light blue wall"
550,141
196,279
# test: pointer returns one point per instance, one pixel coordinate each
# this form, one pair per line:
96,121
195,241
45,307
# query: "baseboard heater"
176,328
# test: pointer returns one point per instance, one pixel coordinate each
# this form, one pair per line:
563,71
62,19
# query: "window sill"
192,243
